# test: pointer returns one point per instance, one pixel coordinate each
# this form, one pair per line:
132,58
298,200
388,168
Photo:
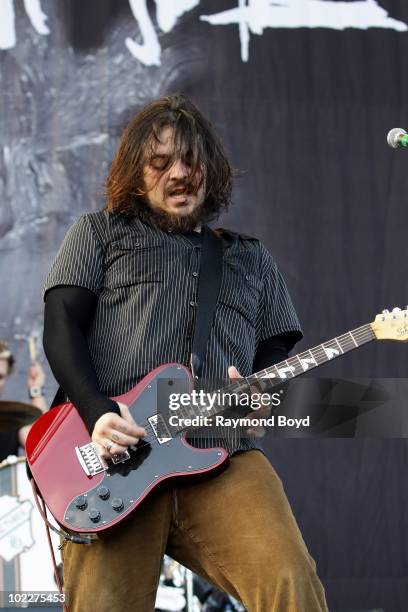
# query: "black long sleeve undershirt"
68,314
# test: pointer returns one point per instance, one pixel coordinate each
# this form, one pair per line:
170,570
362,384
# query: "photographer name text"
221,421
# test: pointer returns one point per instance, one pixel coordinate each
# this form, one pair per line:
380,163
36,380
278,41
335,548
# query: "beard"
175,223
172,222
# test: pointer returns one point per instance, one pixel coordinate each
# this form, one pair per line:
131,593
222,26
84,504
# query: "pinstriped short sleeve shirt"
146,281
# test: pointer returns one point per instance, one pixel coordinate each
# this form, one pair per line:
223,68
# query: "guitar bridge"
89,459
158,425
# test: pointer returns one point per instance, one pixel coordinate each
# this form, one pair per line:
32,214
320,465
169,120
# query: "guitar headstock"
391,325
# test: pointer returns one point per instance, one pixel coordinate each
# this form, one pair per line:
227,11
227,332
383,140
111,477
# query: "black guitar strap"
208,289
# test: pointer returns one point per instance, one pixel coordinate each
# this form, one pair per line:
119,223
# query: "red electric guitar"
85,494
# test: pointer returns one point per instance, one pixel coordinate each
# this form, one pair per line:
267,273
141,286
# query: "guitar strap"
209,283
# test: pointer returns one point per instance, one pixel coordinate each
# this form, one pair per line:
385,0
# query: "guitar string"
361,335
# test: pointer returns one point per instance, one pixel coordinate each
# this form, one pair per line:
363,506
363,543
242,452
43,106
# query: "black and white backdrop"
303,93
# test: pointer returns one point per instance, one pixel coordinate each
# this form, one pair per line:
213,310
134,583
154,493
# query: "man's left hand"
257,431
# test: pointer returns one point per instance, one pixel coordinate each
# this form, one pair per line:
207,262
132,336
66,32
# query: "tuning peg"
385,311
396,309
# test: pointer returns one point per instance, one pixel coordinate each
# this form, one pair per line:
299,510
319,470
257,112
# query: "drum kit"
25,562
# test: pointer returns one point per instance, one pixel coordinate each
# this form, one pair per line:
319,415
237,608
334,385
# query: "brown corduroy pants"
236,530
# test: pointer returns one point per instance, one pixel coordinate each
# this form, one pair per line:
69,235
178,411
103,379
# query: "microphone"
397,138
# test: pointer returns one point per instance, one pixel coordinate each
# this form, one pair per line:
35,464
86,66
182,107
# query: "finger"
114,422
264,412
115,449
125,413
129,426
107,448
101,450
123,439
233,372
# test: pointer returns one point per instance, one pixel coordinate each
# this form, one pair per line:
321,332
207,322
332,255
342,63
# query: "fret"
295,365
271,372
331,350
338,344
352,337
182,411
241,386
261,382
344,343
285,371
201,408
307,361
318,354
301,364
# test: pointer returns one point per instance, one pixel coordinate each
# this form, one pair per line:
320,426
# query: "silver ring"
109,446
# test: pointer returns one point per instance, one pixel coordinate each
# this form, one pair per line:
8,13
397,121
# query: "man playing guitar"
121,299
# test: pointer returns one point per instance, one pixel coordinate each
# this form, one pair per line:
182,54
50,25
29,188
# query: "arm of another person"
35,382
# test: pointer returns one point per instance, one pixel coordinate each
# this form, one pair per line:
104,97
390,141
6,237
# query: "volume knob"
81,502
94,515
103,492
117,504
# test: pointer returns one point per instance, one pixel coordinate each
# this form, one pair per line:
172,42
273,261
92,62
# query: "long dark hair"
193,134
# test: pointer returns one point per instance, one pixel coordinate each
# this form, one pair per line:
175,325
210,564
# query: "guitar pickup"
120,457
157,423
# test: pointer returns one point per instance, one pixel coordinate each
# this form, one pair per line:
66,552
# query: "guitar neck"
316,356
270,377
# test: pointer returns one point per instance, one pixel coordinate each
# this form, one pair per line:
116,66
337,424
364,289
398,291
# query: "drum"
25,559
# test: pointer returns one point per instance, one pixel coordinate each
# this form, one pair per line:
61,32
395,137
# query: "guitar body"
83,503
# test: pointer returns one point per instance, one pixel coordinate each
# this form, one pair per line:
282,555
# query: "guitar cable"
64,534
67,536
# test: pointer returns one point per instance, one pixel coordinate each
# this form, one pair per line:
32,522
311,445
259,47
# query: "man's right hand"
112,433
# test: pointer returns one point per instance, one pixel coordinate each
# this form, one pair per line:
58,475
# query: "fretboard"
314,357
265,380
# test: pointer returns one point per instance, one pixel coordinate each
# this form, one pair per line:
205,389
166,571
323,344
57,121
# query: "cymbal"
14,415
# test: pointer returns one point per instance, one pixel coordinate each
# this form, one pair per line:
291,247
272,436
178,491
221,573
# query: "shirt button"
192,303
195,273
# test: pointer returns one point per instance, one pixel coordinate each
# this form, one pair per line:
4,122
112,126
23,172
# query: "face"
172,194
3,373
